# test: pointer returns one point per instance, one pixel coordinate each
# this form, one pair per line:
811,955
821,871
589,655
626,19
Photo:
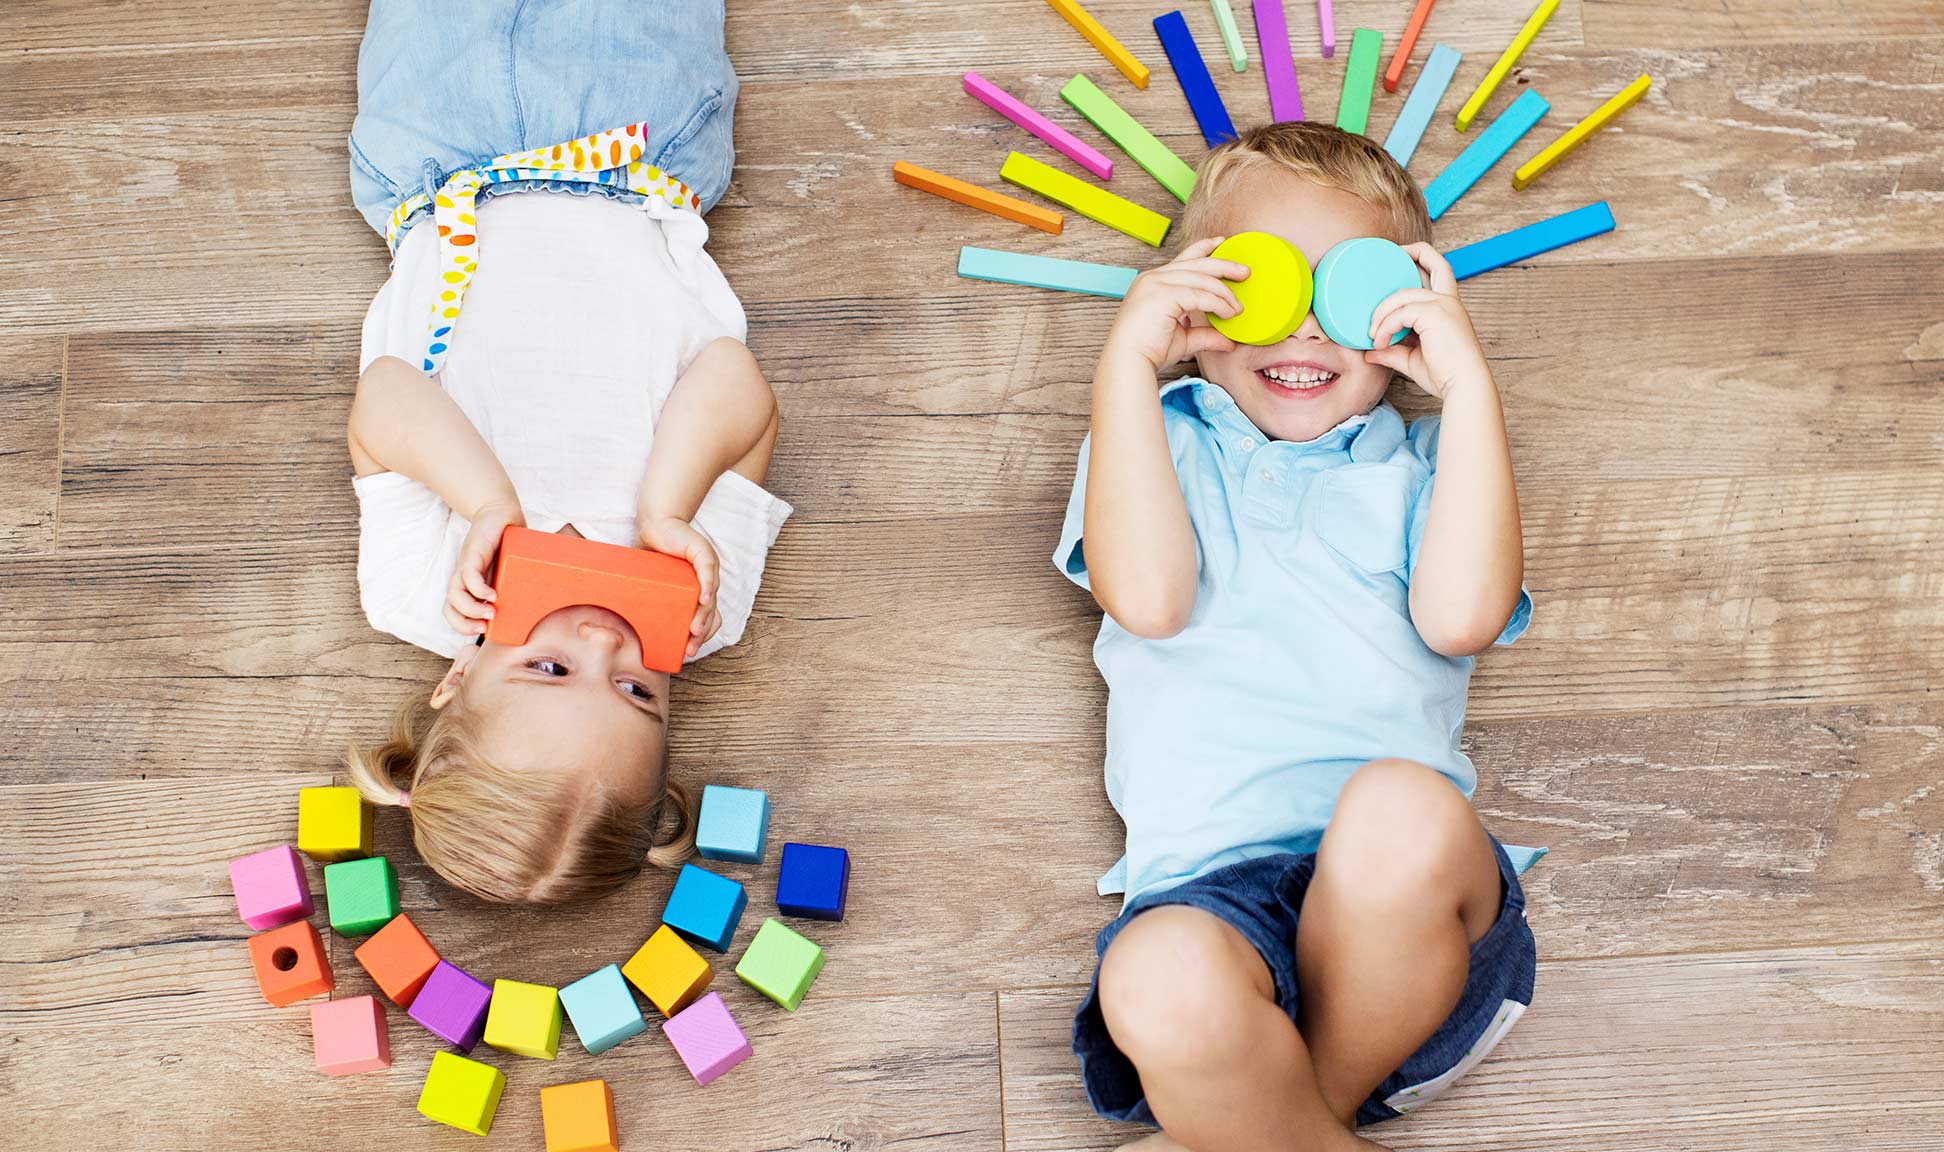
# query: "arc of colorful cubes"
461,1093
290,963
579,1117
813,881
362,895
399,959
705,907
349,1036
452,1006
667,971
602,1010
734,822
524,1019
271,888
705,1036
333,824
780,964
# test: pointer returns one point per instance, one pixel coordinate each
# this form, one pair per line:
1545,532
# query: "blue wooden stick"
1045,272
1491,145
1423,102
1525,243
1196,83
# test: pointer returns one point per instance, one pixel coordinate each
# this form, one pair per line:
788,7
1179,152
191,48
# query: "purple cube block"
452,1006
271,889
706,1038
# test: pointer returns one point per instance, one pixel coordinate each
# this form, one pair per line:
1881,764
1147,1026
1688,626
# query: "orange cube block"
579,1117
539,573
399,958
290,963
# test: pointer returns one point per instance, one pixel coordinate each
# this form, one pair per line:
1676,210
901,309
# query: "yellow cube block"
524,1019
579,1117
462,1093
333,824
668,971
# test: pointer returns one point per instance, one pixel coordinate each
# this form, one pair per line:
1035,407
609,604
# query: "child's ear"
448,685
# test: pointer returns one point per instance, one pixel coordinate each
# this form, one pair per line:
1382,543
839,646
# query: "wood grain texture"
1815,1047
1666,24
30,436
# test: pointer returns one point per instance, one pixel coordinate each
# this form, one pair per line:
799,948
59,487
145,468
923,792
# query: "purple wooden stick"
1327,19
1278,68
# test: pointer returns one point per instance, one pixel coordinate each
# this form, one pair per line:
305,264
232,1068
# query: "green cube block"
362,895
780,964
462,1093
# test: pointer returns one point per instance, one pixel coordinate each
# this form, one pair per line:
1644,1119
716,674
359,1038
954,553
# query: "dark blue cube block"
813,882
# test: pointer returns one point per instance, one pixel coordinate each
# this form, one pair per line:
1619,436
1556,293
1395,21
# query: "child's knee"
1176,984
1401,822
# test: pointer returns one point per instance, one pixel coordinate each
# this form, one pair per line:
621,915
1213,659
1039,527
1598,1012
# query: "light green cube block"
462,1093
362,895
524,1019
780,964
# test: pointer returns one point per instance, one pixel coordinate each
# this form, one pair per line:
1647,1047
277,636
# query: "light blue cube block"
734,824
705,907
602,1009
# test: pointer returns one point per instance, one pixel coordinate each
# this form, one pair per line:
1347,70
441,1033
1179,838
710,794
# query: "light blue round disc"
1352,279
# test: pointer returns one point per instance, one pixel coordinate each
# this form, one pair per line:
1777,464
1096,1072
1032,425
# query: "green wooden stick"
1359,78
1139,144
1231,35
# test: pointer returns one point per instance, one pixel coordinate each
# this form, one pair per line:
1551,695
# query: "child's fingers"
1443,281
1401,310
704,559
1198,249
1200,293
1201,338
474,574
1396,357
1209,266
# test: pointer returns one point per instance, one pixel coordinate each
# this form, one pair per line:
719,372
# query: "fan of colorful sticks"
1360,79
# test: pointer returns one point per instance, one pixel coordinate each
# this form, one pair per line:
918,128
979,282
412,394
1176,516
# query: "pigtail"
376,772
672,827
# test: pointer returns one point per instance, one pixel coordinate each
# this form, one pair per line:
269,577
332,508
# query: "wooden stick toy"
1231,35
1104,42
1402,56
1127,133
539,573
1422,104
1524,243
1326,22
1196,83
972,196
1478,158
1603,115
1476,102
1063,141
1359,80
1278,66
1096,204
1045,272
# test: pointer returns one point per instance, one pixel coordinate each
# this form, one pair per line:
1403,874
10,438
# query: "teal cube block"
602,1009
734,824
705,907
362,895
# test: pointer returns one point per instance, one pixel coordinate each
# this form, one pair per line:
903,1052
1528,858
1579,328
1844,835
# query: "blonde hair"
1320,153
509,836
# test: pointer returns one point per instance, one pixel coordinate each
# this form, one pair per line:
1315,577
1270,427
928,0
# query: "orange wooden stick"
540,573
1396,70
973,196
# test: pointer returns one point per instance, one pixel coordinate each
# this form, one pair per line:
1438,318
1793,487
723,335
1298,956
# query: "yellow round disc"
1276,296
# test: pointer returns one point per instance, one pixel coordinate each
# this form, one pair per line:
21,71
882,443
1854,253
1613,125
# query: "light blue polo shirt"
1232,739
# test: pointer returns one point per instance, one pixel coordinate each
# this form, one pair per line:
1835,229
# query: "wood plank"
1670,24
30,440
1812,1049
128,27
856,1073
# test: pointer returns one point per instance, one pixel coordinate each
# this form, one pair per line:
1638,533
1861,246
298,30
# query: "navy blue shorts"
1262,899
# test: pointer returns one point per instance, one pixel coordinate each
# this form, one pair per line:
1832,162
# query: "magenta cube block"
707,1039
452,1006
271,889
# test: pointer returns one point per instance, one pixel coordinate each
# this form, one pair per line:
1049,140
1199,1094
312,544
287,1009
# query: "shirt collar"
1367,436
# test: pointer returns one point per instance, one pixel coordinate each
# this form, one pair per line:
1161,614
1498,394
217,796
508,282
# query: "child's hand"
1157,319
1444,351
680,538
469,595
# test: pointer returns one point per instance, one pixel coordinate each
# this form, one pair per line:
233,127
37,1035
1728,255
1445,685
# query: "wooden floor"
1728,420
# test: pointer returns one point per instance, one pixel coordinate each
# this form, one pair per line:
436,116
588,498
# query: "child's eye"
547,667
630,688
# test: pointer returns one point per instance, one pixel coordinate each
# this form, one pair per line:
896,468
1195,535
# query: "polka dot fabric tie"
612,158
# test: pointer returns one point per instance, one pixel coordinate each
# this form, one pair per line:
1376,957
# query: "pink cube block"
707,1039
349,1036
271,889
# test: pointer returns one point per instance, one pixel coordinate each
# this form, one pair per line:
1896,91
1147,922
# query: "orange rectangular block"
540,573
973,196
579,1117
399,958
290,963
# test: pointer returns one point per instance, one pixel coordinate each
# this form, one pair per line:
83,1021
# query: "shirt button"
1268,475
1246,444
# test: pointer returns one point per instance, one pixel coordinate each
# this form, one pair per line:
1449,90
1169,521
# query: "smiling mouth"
1297,379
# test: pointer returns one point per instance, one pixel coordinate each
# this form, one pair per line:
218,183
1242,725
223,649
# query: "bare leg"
1193,1007
1405,881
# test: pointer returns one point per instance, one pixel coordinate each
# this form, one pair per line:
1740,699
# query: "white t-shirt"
583,314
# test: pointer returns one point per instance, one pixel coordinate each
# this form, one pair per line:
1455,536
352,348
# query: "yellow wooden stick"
1505,61
1093,202
1135,71
1534,168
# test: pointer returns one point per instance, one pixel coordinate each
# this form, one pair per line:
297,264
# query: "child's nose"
1311,332
601,634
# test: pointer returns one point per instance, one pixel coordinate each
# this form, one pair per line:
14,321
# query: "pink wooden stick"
1278,69
1327,18
1070,146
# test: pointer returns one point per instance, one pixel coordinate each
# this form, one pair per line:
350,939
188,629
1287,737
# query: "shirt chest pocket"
1361,513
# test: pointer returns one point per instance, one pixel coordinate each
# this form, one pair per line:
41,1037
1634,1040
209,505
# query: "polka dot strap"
612,158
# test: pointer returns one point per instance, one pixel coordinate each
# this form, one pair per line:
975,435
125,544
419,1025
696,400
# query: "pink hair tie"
404,798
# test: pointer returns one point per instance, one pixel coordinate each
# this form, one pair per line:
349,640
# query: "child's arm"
721,417
403,422
1140,545
1471,558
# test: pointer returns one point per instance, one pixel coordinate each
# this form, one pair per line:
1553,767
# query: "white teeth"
1299,377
